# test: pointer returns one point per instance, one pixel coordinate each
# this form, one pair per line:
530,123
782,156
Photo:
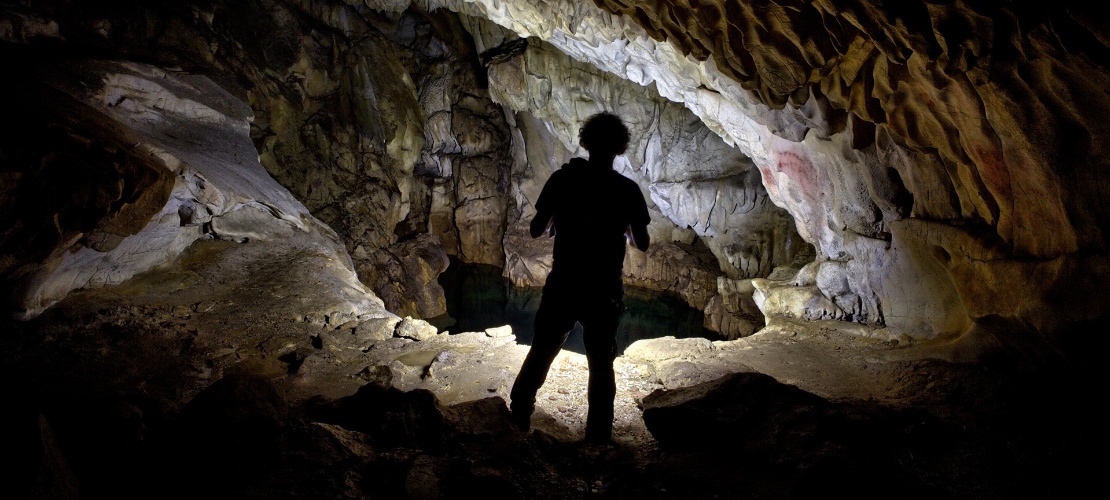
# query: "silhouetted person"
592,211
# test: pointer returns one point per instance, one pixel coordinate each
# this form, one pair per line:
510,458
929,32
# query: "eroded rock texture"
943,158
118,168
711,215
335,116
697,185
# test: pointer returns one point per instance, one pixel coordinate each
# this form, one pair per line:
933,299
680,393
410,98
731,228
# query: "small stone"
373,329
499,331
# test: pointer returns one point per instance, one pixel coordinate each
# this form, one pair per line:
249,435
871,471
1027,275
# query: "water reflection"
478,297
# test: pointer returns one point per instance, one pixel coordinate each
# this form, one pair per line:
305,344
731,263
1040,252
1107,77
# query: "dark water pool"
479,298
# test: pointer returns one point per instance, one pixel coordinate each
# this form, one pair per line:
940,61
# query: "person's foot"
598,437
522,421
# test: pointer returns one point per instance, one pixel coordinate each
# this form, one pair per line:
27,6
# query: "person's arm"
638,219
546,204
640,237
541,223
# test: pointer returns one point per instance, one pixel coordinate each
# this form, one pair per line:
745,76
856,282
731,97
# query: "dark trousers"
599,314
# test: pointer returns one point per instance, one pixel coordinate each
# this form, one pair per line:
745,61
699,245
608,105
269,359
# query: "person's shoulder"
624,180
574,164
569,169
627,189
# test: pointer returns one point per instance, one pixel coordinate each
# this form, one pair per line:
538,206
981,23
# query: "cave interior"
226,227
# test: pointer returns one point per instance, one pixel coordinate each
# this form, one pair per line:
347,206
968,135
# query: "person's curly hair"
604,133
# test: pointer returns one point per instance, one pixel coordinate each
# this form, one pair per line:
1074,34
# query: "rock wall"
702,193
335,117
945,160
942,158
117,167
375,120
341,124
460,180
424,153
695,183
467,158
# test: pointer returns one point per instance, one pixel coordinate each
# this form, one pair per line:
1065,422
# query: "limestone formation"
527,259
466,158
669,266
408,270
188,324
700,190
363,115
686,170
733,312
180,167
919,147
944,160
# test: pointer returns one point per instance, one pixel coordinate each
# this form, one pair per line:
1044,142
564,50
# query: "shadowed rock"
758,420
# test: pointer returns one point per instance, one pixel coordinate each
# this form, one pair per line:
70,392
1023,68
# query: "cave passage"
479,297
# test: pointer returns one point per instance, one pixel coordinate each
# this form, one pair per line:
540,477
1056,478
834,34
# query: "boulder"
415,329
803,439
784,299
229,431
407,275
390,417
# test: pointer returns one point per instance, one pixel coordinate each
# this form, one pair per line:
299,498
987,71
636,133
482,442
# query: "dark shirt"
592,208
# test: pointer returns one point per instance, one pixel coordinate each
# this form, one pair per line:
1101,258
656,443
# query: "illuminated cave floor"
112,370
479,297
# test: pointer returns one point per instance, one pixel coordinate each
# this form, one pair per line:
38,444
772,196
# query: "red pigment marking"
769,179
800,171
992,170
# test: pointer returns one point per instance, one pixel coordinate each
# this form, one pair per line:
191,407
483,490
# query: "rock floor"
129,359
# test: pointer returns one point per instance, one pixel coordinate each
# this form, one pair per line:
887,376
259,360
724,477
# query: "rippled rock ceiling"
944,159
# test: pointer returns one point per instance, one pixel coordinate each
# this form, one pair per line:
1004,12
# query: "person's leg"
553,324
599,328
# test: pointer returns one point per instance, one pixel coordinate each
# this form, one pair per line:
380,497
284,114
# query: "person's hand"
638,236
543,222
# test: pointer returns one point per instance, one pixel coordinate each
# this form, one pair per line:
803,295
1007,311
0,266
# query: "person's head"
604,134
